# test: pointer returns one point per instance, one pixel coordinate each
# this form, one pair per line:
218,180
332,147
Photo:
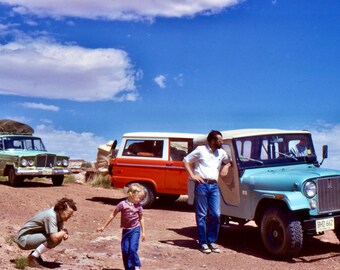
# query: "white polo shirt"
206,162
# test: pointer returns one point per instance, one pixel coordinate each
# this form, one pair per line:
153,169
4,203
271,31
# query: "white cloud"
43,68
74,144
160,80
328,134
41,106
119,10
179,79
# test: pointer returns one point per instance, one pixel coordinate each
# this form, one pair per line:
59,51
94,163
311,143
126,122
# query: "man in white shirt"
204,165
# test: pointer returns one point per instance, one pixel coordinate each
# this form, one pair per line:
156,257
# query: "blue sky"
83,72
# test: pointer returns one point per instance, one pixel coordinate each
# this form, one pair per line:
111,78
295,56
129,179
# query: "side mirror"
324,153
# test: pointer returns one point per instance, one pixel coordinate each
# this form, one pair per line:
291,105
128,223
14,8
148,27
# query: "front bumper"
310,224
42,171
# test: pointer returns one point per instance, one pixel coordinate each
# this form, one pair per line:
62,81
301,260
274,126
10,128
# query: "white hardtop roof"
160,135
240,133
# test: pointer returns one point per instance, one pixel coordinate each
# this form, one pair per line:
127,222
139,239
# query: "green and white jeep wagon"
276,180
23,156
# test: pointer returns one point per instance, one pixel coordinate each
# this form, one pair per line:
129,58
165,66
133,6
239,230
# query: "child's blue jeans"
130,244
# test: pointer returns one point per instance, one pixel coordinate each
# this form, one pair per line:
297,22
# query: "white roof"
160,135
240,133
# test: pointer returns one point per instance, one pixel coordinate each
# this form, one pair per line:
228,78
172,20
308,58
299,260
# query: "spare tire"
104,155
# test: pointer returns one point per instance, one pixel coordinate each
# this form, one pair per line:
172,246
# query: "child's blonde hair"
135,187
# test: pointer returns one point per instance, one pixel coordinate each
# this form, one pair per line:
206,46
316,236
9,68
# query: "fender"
294,200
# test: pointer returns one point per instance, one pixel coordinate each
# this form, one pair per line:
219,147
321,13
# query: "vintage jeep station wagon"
154,160
276,180
23,155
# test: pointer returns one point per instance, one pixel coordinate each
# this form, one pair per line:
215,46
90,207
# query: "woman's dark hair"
213,135
63,203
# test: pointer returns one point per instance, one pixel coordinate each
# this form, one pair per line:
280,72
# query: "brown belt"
209,181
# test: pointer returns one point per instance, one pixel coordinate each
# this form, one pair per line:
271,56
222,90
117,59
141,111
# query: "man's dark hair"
213,135
63,203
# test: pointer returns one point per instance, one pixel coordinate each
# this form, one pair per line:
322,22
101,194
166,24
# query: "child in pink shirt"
132,223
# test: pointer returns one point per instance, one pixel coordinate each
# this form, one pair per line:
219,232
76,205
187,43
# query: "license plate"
324,224
47,171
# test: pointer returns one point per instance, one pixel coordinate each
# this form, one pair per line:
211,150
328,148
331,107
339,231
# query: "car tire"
281,233
14,179
57,180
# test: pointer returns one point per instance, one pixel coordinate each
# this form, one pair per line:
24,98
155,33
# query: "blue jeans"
130,244
207,202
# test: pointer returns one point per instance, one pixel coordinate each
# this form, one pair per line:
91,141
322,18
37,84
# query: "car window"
269,150
143,148
23,143
179,149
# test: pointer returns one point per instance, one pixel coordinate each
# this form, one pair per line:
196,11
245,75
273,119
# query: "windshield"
22,143
274,150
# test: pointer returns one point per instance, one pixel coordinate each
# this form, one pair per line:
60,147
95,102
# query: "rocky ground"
170,230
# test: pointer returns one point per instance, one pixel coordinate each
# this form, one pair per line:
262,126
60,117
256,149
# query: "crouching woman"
45,230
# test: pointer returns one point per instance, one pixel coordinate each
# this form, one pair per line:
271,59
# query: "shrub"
21,263
101,181
69,178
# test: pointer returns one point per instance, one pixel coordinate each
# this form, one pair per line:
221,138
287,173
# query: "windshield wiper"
251,159
287,156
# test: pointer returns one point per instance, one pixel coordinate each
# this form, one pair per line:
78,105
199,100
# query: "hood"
284,177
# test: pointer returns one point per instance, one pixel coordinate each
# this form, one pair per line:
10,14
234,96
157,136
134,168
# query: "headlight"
58,162
310,189
31,162
65,162
24,162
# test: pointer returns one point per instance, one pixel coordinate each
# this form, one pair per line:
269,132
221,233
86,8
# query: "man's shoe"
205,249
33,262
214,248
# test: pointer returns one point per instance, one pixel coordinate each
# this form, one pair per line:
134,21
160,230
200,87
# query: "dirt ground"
170,235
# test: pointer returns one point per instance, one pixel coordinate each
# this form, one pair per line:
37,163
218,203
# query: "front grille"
45,161
328,194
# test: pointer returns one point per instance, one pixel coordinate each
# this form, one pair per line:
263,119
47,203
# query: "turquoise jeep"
23,155
276,181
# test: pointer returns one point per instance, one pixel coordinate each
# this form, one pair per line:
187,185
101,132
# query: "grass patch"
101,181
69,179
21,263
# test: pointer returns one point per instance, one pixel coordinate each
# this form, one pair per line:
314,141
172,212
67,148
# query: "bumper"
42,172
310,224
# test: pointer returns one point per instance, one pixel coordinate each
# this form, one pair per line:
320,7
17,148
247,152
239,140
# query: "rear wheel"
57,180
281,233
14,179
